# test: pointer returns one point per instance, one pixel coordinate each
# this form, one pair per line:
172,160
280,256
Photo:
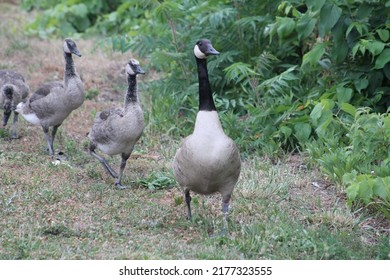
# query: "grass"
279,210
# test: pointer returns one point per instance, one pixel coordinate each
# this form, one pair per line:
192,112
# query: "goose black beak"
211,51
139,70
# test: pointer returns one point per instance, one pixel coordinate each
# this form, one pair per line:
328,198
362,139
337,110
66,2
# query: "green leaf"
382,59
352,191
302,131
286,131
384,34
315,5
382,188
375,47
327,104
349,178
366,190
316,112
305,26
329,15
364,11
285,26
361,84
348,108
340,45
325,121
343,94
314,55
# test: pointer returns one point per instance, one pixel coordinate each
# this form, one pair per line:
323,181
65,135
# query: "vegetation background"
302,86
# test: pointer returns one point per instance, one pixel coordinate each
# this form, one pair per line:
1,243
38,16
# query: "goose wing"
102,130
46,89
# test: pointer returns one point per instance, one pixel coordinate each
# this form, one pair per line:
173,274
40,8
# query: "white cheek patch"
198,53
129,70
66,48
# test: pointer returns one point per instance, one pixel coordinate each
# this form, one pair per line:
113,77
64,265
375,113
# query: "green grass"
73,211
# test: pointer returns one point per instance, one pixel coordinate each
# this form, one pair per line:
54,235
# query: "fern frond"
280,83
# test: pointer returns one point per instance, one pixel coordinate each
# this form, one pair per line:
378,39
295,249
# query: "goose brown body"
208,161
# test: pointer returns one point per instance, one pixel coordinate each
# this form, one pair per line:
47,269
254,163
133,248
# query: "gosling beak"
76,52
139,70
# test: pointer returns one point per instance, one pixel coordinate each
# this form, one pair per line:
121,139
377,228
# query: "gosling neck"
70,70
206,102
132,91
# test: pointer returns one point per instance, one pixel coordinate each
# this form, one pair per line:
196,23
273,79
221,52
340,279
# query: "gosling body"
117,130
13,90
53,102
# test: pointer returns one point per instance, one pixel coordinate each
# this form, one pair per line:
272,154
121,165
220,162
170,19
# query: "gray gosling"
115,131
53,102
13,89
207,161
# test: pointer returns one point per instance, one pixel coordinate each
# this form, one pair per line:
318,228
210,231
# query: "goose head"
70,47
133,68
203,48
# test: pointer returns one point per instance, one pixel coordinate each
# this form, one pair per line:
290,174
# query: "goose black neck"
131,95
206,102
70,71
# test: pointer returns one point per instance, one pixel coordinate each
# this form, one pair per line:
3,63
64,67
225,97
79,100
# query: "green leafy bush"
359,158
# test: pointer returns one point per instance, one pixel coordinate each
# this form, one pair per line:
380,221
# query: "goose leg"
188,202
48,140
102,160
6,117
53,134
123,165
15,126
225,211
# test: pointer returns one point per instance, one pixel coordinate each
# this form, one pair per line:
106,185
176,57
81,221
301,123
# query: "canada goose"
115,131
13,89
52,103
208,161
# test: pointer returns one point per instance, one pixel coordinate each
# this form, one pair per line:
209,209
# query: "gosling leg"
6,118
118,184
15,126
48,140
103,161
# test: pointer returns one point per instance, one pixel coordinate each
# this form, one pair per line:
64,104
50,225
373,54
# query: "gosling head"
71,47
203,48
133,68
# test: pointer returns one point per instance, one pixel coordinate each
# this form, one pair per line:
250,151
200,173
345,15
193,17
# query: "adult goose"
53,102
115,131
13,89
207,161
